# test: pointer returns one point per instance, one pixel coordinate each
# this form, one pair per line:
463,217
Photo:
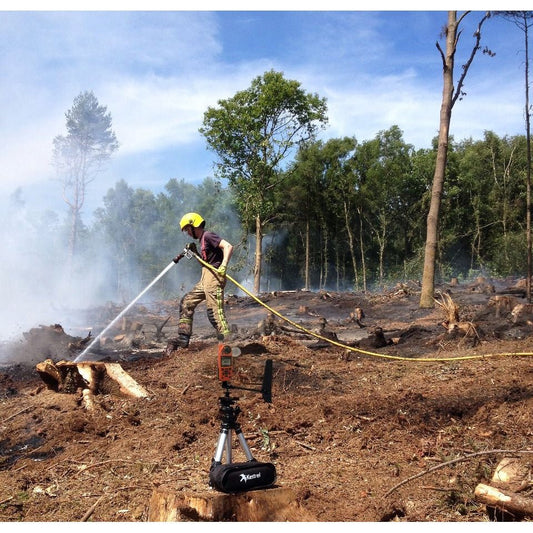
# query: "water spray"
130,305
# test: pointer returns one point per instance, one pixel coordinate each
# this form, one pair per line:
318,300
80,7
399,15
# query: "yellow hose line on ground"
352,348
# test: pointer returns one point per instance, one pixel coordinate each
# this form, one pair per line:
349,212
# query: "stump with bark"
270,505
91,378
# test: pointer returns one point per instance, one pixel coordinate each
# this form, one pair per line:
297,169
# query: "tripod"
229,413
248,475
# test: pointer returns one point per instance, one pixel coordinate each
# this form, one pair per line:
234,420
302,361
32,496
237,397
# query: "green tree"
252,134
342,199
79,155
113,224
178,198
384,169
128,221
303,211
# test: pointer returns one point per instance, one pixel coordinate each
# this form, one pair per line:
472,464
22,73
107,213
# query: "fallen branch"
159,329
512,503
304,445
88,514
16,414
439,489
84,468
454,461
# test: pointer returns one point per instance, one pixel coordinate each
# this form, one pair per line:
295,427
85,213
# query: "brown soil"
352,433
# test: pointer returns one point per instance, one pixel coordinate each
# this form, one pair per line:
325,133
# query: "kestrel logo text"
248,477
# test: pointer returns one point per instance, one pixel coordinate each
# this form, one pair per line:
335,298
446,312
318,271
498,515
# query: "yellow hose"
352,348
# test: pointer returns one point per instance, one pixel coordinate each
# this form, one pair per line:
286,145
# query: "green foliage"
252,134
335,213
507,254
377,190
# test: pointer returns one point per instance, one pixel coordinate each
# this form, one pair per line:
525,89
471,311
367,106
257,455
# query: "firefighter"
217,252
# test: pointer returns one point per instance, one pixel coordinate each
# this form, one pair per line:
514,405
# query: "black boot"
181,341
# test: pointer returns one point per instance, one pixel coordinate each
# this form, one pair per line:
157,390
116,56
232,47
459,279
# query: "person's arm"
227,249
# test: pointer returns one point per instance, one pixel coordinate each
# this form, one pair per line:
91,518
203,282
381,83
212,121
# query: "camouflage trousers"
210,289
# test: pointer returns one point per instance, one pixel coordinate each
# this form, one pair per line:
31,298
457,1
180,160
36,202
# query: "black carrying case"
241,477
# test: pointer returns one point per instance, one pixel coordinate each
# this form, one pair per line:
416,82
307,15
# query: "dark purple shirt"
209,247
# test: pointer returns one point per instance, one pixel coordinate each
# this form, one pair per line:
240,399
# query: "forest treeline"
349,215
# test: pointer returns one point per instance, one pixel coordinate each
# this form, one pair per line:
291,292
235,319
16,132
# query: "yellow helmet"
192,219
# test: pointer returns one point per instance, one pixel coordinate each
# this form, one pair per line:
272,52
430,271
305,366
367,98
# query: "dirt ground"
353,433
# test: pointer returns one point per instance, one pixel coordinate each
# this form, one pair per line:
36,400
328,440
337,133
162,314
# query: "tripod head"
225,375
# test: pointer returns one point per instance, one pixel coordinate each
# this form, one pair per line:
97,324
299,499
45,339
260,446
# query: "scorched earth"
354,435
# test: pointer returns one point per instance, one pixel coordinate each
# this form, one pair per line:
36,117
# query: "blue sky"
158,71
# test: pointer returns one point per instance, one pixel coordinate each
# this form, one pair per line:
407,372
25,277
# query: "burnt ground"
352,433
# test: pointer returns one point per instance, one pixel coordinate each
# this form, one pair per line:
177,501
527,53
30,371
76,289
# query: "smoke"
40,286
36,285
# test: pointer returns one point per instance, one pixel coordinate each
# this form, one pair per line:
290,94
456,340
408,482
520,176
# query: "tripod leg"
244,445
228,447
222,443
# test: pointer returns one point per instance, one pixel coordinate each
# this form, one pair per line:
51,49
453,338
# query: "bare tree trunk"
351,245
382,241
428,276
258,254
449,97
528,179
75,208
362,249
72,240
325,274
307,254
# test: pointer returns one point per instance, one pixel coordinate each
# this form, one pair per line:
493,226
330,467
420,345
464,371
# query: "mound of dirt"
403,431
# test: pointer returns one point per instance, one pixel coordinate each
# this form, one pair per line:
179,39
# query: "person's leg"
188,305
214,299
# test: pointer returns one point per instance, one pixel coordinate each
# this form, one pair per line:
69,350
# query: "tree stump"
94,377
268,505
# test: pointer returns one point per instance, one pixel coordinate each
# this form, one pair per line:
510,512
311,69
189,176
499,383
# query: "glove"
222,271
178,258
192,248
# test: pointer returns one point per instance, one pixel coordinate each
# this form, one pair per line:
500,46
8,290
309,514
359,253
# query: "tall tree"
252,134
79,155
450,94
523,19
340,182
384,168
302,203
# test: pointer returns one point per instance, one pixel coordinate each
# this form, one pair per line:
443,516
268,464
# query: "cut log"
268,505
522,314
126,383
97,377
515,506
356,316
